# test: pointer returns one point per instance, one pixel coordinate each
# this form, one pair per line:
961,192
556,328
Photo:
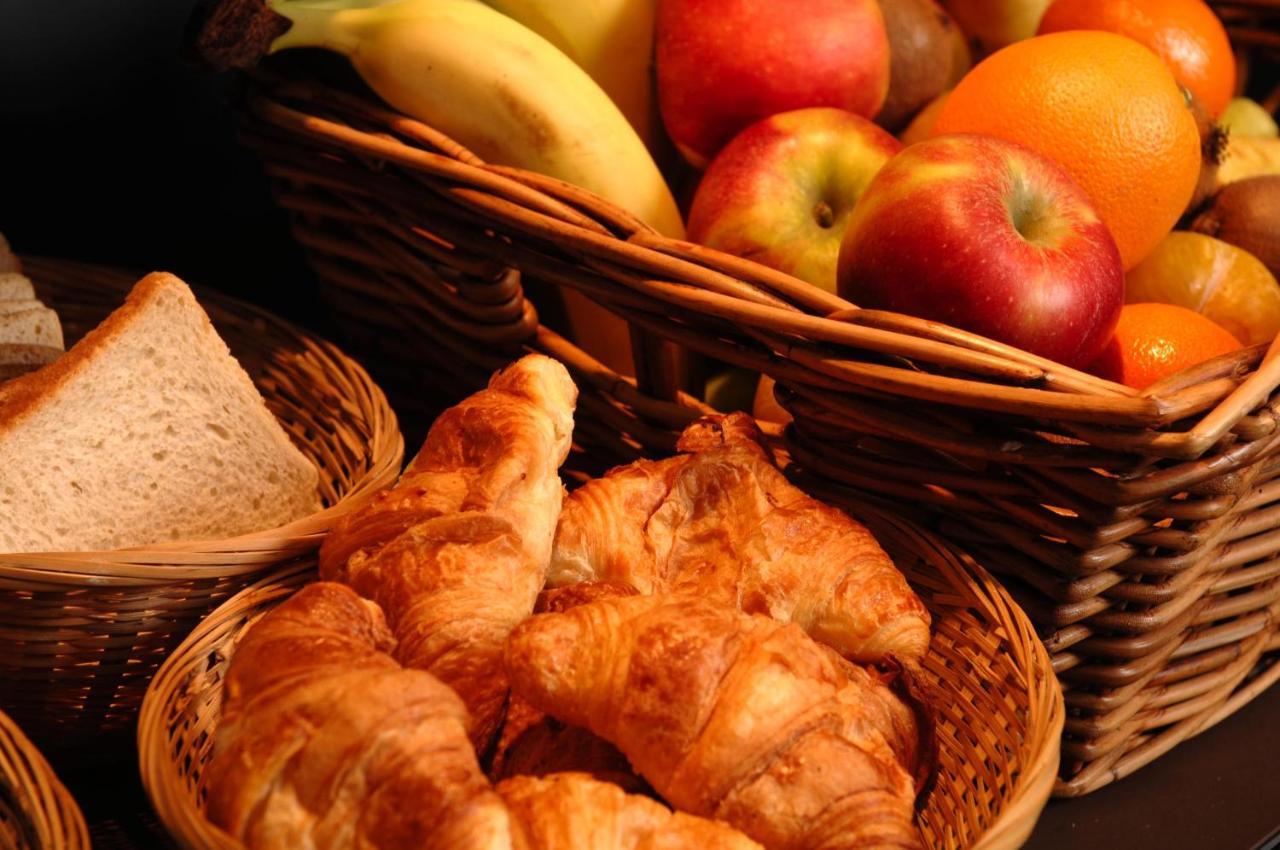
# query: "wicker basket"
1000,709
84,632
36,812
1139,529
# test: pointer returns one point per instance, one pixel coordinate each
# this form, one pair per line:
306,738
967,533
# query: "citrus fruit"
1186,34
1224,283
1103,107
1153,341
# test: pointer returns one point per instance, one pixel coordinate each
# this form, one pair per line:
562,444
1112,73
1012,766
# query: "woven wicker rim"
165,563
45,817
978,627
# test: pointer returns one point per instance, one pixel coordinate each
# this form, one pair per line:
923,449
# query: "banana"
612,40
493,85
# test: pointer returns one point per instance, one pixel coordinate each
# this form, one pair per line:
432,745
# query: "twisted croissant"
456,553
731,716
568,811
721,522
327,742
533,744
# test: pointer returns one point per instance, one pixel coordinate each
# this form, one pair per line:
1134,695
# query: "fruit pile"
1092,161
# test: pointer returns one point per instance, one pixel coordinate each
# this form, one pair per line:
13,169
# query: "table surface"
1218,791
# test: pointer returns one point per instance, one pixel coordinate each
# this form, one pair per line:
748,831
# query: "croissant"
567,811
731,716
326,742
533,744
721,522
456,553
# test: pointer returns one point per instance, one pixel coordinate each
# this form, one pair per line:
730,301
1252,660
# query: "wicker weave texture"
36,812
84,632
999,706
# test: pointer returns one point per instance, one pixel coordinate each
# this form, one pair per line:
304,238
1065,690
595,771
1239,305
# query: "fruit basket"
999,706
1137,528
36,812
84,631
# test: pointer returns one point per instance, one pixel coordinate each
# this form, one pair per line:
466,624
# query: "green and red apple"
986,235
994,24
782,191
725,64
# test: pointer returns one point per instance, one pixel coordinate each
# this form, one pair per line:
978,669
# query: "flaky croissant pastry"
721,522
731,716
534,744
327,742
456,553
572,811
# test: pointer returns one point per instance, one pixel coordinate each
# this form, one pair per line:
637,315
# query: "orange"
1186,34
1103,107
1221,282
1153,341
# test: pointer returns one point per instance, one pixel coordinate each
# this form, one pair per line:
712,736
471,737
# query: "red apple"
724,64
986,235
782,191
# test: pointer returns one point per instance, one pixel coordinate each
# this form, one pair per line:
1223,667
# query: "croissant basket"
1138,529
84,631
999,707
36,812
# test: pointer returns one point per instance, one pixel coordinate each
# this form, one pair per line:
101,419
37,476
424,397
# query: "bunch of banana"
499,88
612,40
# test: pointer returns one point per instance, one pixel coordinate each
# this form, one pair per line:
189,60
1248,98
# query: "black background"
113,150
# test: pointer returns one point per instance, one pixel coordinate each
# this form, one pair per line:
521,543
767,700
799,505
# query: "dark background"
113,150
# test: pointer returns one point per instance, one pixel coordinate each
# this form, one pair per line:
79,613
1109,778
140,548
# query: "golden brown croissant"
326,742
533,744
456,553
569,811
731,716
723,523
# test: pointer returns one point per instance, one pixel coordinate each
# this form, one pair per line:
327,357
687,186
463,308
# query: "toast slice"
15,286
147,430
34,326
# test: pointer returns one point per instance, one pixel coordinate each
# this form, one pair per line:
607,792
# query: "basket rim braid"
164,562
994,777
45,815
85,630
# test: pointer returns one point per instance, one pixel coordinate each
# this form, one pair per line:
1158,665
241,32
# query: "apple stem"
824,214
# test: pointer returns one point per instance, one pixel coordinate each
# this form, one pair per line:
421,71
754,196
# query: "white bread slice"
35,326
147,430
19,306
15,286
23,353
9,261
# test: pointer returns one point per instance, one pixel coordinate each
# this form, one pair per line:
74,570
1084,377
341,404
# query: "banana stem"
322,23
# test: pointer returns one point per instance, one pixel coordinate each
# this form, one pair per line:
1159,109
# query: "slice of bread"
19,306
34,326
26,354
15,286
148,430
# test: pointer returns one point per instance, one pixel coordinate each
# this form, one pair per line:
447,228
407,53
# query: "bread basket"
83,632
36,812
1139,530
1000,709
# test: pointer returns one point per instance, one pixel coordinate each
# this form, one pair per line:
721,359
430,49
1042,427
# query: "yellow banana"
612,40
1249,156
493,85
